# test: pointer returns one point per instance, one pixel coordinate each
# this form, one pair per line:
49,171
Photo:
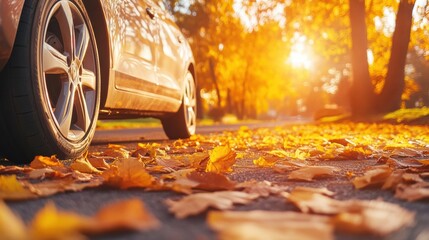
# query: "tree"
364,101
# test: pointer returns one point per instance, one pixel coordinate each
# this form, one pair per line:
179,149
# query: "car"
66,63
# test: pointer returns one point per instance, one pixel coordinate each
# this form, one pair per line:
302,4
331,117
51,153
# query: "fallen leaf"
43,162
265,162
123,215
394,179
310,172
12,189
43,173
127,173
211,181
49,223
197,203
323,191
84,166
370,217
262,189
269,225
221,160
413,192
372,177
342,141
14,169
11,226
98,163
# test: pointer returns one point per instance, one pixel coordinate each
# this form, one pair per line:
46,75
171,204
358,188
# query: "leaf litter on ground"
204,163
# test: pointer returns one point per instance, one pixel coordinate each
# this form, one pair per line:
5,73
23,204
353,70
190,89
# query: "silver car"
65,63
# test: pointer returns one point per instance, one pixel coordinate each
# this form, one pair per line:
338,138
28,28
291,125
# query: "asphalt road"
89,201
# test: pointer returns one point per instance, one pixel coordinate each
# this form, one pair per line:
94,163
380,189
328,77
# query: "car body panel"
148,58
10,13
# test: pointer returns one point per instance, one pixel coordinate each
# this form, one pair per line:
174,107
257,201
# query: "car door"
135,68
170,64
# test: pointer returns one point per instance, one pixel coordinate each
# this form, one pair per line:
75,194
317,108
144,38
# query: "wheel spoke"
88,79
65,20
54,62
83,119
82,41
64,107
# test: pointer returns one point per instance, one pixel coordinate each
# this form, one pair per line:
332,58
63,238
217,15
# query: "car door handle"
150,12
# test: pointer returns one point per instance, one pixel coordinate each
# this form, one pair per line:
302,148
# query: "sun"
300,56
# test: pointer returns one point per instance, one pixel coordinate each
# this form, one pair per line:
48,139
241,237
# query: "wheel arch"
95,10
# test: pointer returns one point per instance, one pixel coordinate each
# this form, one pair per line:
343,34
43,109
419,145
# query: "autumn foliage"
203,168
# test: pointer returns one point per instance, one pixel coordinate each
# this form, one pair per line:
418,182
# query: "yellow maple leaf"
221,160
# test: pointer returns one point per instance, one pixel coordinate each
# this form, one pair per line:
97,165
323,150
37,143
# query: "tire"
182,124
50,93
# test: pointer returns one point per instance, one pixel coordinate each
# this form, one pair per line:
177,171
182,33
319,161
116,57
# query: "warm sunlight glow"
300,56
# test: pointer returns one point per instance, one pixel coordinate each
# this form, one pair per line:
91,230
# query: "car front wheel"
183,123
50,91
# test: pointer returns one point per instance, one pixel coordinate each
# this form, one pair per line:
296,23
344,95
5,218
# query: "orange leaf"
269,225
310,172
123,215
265,162
211,181
49,223
221,160
43,162
84,166
127,173
196,203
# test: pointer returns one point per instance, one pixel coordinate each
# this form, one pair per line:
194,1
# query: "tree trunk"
214,79
390,96
361,99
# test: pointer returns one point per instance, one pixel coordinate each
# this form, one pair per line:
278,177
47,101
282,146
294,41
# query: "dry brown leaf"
116,151
211,181
270,225
394,179
323,191
14,169
399,163
12,189
413,192
221,160
197,203
127,173
43,162
373,217
262,189
412,178
11,227
310,172
99,163
68,183
49,223
84,166
406,152
376,176
123,215
43,173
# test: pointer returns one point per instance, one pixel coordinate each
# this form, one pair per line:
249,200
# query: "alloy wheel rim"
69,70
190,104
